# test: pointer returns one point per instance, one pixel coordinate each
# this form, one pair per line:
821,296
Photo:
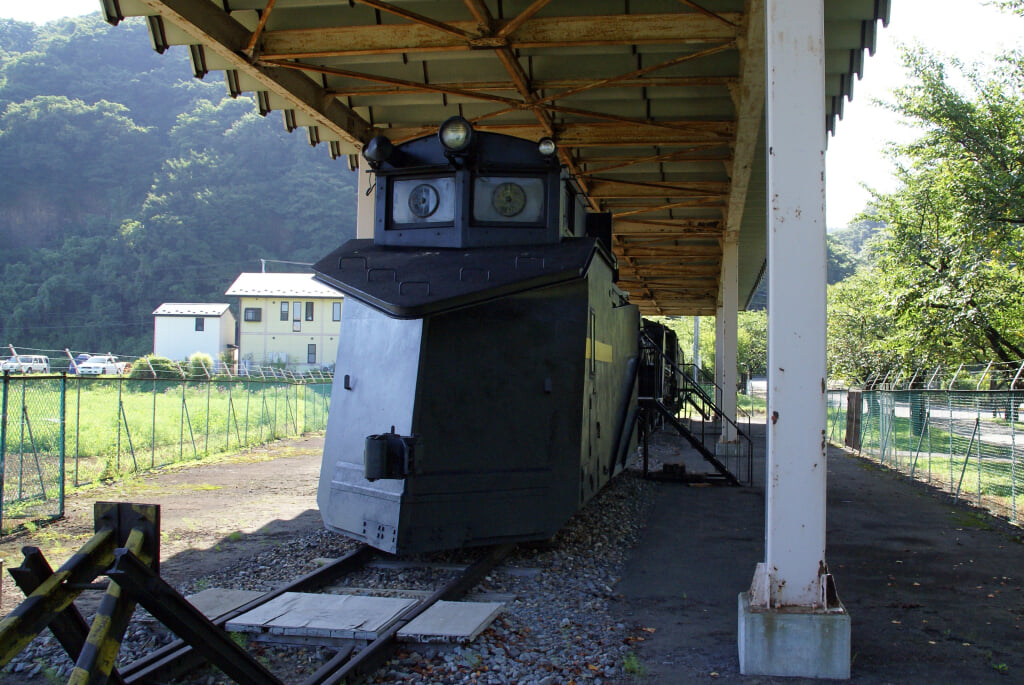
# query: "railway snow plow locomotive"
485,387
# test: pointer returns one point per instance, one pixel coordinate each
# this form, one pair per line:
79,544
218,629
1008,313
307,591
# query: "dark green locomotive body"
483,392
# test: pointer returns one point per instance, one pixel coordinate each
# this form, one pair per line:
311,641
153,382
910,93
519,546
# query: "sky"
968,29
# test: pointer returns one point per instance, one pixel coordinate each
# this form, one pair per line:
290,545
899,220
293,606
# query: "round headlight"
546,147
455,134
378,150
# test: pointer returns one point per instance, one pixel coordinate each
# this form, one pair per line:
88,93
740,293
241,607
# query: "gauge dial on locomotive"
508,199
423,200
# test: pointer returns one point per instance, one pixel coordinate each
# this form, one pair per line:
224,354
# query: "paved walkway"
933,589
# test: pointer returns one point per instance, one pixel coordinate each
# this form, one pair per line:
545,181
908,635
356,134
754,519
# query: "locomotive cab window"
513,200
423,202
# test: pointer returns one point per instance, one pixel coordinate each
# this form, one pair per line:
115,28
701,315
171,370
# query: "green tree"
752,342
950,259
842,262
128,183
860,329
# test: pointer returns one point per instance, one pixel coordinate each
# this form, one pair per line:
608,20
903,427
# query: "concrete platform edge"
810,645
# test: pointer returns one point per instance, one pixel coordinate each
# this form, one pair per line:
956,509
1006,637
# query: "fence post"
152,432
3,443
949,404
248,394
22,412
78,422
1013,454
181,425
119,384
206,443
227,423
977,405
63,437
953,379
982,379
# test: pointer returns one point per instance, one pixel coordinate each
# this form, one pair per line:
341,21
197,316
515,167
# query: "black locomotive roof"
415,282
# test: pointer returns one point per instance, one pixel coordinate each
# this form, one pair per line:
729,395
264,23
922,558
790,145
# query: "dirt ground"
212,513
935,590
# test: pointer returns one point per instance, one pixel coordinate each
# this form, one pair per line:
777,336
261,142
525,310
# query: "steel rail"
343,669
178,657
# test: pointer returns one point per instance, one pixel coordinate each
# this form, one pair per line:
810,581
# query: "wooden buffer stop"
126,549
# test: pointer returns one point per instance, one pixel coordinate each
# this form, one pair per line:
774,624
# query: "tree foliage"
951,257
127,183
946,284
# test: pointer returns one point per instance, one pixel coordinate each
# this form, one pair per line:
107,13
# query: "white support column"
719,339
726,324
364,201
790,622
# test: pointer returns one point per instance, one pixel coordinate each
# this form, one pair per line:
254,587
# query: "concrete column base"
793,643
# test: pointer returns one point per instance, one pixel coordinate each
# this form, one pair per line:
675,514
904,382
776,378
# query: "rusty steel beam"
606,188
542,84
549,32
594,134
416,18
250,47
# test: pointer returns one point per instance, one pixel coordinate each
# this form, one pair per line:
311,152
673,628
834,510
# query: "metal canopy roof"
656,105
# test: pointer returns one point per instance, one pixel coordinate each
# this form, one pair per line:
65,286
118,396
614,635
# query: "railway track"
128,560
350,663
559,619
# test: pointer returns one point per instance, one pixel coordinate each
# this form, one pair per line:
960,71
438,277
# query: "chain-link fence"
32,455
76,430
968,443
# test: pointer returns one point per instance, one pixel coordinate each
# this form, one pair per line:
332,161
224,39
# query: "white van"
26,363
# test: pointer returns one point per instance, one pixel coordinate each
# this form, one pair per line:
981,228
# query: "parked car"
27,363
100,364
78,361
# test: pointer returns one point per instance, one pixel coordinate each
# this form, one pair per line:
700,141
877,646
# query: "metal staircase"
681,386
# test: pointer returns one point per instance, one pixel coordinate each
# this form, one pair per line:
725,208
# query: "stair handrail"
676,367
647,341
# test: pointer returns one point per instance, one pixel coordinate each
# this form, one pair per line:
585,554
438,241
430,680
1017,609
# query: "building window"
309,311
284,311
311,353
336,314
296,311
253,314
200,323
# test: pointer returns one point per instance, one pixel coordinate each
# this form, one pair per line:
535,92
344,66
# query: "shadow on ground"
934,589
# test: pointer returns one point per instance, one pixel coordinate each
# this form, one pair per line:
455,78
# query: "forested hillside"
128,183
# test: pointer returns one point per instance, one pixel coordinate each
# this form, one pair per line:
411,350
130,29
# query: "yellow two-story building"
286,318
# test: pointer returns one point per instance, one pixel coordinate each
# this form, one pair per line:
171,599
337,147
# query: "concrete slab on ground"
451,622
216,601
301,614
